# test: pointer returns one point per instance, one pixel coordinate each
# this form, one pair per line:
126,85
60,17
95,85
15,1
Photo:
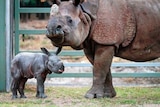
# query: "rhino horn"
77,2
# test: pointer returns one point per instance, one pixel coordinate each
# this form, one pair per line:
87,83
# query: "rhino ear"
77,2
58,50
45,51
90,7
58,2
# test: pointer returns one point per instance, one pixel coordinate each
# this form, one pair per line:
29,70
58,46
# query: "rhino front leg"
101,69
40,87
109,90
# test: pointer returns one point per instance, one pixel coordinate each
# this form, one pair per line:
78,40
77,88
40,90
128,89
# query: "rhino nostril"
59,31
59,27
62,67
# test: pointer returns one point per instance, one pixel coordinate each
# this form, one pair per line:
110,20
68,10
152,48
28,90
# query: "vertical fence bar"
2,47
17,22
8,44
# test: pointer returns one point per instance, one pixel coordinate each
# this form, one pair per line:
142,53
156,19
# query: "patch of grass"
74,97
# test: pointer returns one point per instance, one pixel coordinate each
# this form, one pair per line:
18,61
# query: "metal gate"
19,31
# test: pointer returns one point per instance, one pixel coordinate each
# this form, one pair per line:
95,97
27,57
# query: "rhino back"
25,60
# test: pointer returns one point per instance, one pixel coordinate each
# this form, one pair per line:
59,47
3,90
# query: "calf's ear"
58,50
45,51
77,2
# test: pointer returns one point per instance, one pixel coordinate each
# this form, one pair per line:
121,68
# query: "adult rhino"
128,29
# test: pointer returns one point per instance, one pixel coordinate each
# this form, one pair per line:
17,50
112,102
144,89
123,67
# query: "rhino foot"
95,93
109,92
14,96
41,96
23,96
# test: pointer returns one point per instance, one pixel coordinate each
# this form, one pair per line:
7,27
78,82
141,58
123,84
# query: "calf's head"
68,24
53,63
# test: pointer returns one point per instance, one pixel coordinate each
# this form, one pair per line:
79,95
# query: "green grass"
74,97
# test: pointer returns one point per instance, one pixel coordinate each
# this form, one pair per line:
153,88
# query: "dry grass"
73,97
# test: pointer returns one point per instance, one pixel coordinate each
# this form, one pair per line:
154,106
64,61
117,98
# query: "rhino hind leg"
21,87
14,87
15,82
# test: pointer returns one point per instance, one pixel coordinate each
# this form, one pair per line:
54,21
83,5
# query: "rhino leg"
21,87
15,82
109,90
101,73
40,87
14,87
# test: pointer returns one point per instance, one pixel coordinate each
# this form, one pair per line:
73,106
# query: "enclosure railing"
19,31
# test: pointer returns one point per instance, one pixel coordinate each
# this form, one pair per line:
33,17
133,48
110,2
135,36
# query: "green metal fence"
19,31
2,47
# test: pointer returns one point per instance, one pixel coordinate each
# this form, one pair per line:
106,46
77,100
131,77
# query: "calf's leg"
21,87
14,87
15,82
40,87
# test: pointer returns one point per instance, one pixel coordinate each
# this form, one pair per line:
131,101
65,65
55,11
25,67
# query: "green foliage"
74,97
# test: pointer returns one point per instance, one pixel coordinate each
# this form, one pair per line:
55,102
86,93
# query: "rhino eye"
69,20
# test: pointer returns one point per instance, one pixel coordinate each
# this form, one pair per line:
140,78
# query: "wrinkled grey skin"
28,65
128,29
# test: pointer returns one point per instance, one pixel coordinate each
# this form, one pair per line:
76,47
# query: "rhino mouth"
60,71
57,37
58,68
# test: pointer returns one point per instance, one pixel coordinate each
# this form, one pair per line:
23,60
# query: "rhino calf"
28,65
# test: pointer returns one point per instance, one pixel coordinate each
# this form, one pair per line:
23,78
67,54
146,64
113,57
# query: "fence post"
9,39
2,47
